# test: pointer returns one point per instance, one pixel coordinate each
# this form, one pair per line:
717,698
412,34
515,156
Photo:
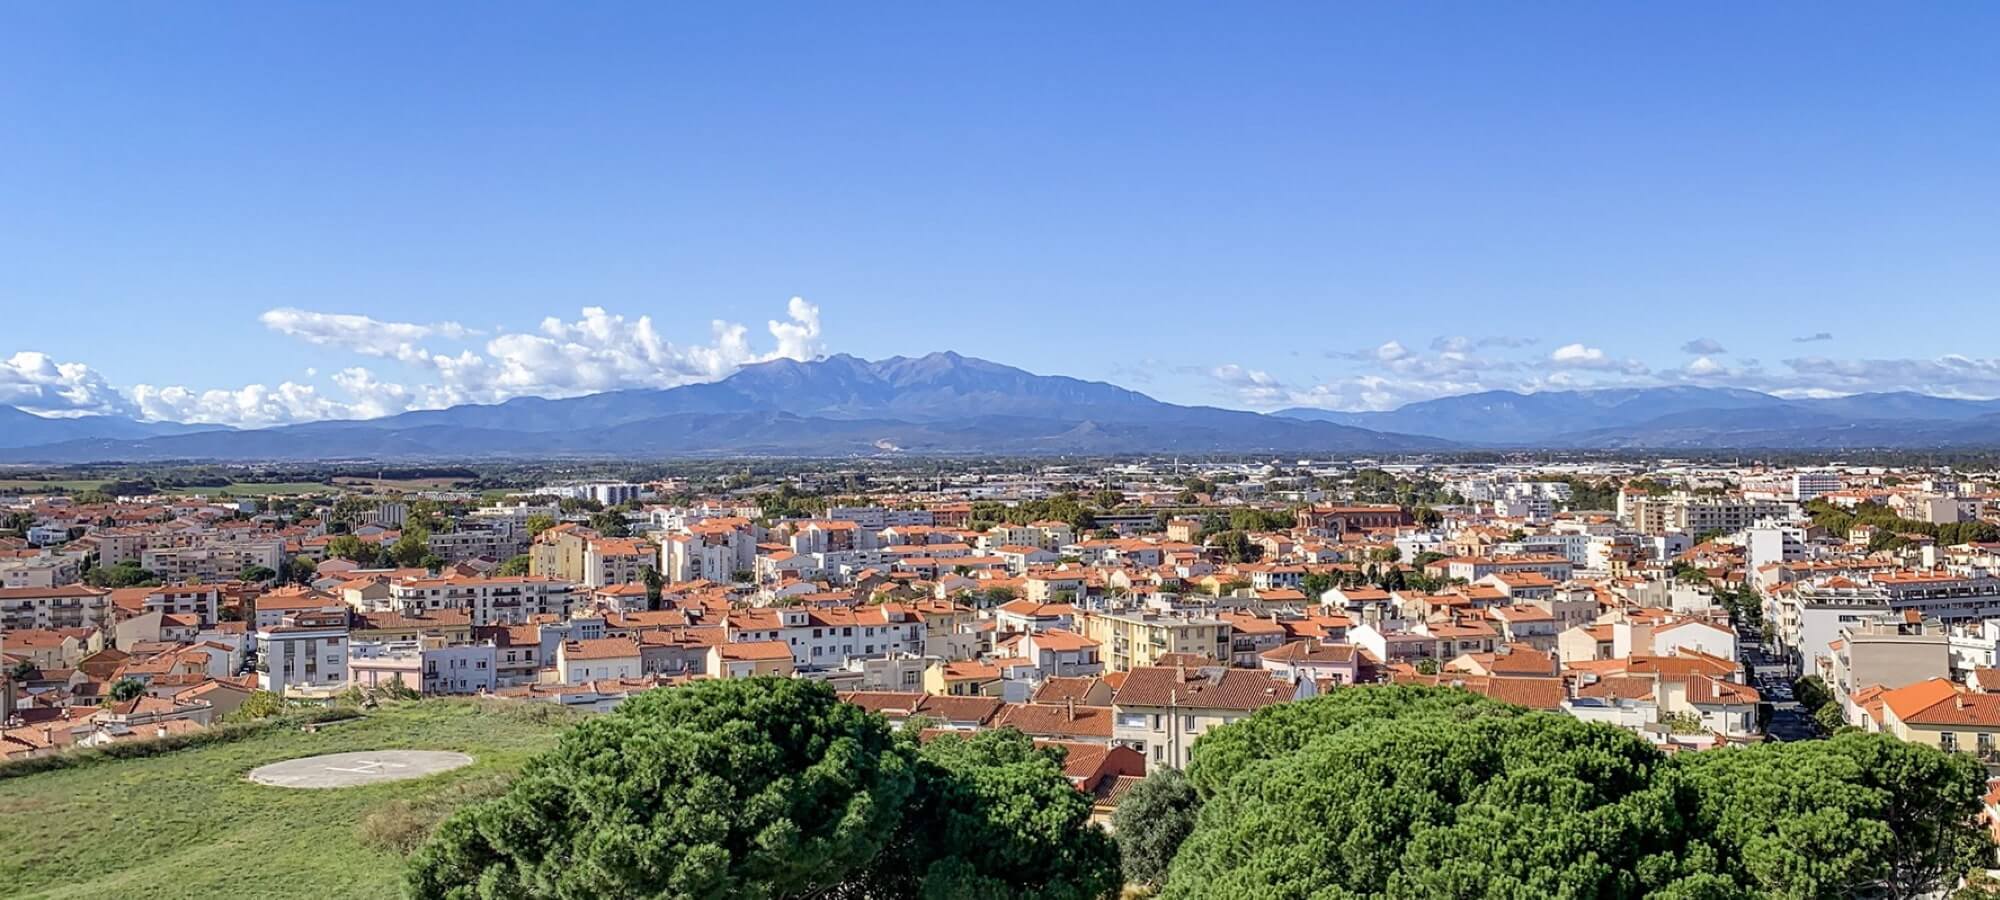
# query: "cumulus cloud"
36,382
1580,356
604,351
1703,347
1815,337
361,334
1704,367
597,351
250,406
1253,387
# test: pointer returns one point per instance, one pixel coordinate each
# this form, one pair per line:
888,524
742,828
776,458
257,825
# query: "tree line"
774,788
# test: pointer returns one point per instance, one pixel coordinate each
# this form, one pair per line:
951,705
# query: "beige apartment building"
1131,639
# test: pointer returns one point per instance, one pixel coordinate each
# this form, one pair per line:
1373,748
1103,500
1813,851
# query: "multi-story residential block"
40,571
1700,514
617,561
494,600
203,602
305,652
822,638
1132,639
497,539
45,608
714,549
876,518
1885,653
212,561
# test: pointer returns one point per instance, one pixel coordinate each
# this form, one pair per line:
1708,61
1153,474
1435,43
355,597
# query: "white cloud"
1579,356
250,406
361,334
1703,347
598,351
1704,367
35,381
1391,351
1254,387
604,351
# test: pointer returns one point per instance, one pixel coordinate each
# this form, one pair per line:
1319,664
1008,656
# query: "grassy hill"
187,823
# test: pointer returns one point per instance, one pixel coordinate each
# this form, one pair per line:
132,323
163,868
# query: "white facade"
310,655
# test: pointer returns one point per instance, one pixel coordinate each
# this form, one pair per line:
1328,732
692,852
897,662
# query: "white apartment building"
713,550
39,571
497,600
305,653
67,606
827,638
1807,485
1698,514
214,561
515,515
607,493
1769,544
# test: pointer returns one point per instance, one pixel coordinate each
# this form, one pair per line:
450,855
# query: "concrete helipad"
337,770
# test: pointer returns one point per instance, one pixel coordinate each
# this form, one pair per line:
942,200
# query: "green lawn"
189,824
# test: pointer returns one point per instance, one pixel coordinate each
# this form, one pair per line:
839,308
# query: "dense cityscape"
1116,611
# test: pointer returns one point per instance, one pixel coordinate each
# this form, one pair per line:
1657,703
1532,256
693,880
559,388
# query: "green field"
30,484
259,489
244,489
187,823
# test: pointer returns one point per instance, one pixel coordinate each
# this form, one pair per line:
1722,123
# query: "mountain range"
23,429
1684,417
944,403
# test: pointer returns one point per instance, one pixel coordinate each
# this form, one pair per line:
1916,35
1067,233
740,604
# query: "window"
1187,723
1159,722
1985,743
1948,741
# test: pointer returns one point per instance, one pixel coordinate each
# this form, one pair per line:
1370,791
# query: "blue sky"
268,212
